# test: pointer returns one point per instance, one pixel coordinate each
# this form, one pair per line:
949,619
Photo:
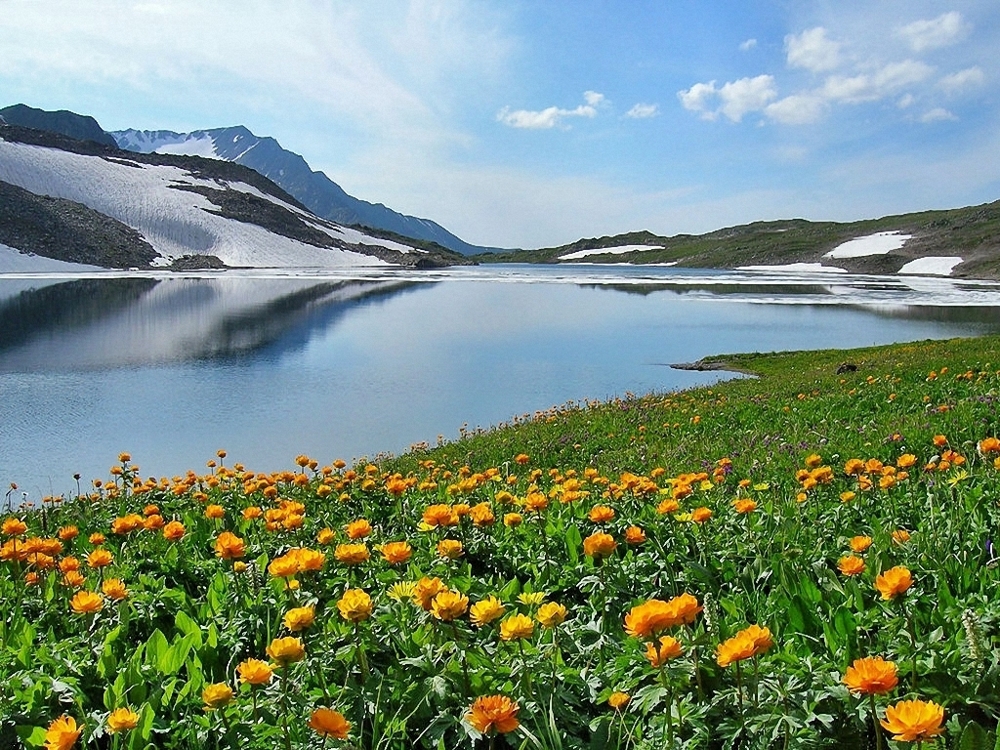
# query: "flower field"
802,560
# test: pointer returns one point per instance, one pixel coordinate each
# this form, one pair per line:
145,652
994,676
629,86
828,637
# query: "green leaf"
573,542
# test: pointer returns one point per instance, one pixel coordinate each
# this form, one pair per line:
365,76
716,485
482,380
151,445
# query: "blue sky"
534,123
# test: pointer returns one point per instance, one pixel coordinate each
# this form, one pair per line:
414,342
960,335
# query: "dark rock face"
68,231
70,124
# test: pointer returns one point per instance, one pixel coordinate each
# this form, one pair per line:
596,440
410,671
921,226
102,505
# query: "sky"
533,123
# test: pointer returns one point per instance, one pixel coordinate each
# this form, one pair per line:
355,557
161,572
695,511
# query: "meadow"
803,559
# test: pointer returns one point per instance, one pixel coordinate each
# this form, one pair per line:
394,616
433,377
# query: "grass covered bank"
803,559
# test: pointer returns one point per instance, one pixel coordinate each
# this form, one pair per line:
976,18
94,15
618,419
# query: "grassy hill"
973,233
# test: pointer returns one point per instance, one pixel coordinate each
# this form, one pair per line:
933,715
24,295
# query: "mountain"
959,242
315,190
80,127
79,201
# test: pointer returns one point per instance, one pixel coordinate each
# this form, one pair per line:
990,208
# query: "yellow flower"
893,582
450,548
86,602
551,614
355,605
122,720
871,675
599,545
531,599
654,615
425,591
516,626
216,695
329,723
173,531
62,733
255,672
449,605
299,618
618,700
493,713
913,721
486,611
401,590
285,651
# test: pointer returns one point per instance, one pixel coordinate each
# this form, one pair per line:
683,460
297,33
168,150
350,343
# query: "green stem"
878,729
284,707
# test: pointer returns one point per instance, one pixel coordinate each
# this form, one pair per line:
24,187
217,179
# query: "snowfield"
879,243
15,261
932,265
795,268
174,222
609,251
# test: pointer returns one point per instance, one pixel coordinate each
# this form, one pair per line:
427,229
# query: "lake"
269,365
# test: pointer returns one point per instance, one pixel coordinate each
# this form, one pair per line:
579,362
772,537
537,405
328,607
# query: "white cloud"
812,50
642,111
906,100
549,117
735,98
933,33
938,114
867,87
963,79
797,109
748,45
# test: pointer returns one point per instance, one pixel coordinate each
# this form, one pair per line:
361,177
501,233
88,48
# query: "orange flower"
68,533
741,646
329,723
174,531
669,648
115,589
493,713
901,536
511,520
599,545
650,617
893,582
871,675
215,512
351,554
700,515
761,638
299,618
744,505
62,733
216,695
396,553
450,548
86,603
358,529
99,558
122,720
449,605
228,546
285,651
482,514
634,535
860,544
913,721
440,515
14,527
618,700
850,565
601,514
255,672
425,591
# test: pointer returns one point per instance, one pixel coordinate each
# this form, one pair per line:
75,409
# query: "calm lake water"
269,366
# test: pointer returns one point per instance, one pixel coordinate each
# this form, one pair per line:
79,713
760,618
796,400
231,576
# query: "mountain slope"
287,169
961,242
181,210
64,122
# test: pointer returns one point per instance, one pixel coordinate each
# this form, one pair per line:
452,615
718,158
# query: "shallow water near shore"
268,365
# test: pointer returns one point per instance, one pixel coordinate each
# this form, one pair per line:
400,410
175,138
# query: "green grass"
781,442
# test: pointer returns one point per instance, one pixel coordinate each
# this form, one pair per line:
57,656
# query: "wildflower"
668,506
486,611
310,560
511,520
115,589
284,566
173,531
215,512
493,713
99,558
449,605
425,591
744,505
74,579
700,515
122,720
551,614
516,626
329,723
741,646
847,496
654,615
599,545
669,648
900,536
216,695
482,514
850,565
358,529
440,515
618,700
601,514
914,721
860,544
351,554
532,598
255,672
299,618
893,582
68,533
86,602
871,675
450,548
355,605
396,553
634,535
13,527
285,651
761,638
325,536
401,590
62,733
228,546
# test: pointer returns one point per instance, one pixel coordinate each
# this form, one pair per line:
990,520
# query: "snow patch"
620,249
14,261
932,265
796,268
879,243
203,146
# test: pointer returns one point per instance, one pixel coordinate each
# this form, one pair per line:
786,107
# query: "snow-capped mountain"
162,209
315,190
